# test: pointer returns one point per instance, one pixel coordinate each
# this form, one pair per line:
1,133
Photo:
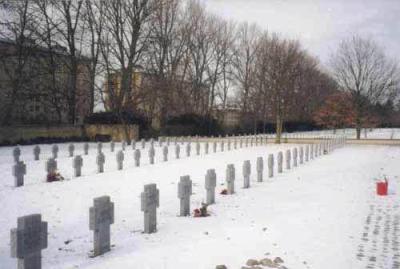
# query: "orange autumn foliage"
336,112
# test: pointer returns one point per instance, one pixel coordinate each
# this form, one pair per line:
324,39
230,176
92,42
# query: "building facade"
35,85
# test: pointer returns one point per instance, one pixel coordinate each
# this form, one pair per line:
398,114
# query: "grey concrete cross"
36,153
71,149
101,216
120,160
246,174
184,193
152,153
177,151
288,159
28,240
51,166
136,156
230,179
188,148
99,147
150,201
301,150
112,146
77,164
270,165
197,148
86,148
54,151
210,184
165,153
260,169
100,160
16,154
295,157
19,171
280,161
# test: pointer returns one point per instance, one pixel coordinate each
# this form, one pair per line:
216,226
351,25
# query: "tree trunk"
358,131
279,125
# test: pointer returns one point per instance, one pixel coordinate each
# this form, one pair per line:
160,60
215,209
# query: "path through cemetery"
323,213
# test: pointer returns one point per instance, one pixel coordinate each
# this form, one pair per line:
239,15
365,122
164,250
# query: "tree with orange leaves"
336,112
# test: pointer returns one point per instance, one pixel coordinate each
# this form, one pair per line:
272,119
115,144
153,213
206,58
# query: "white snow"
311,216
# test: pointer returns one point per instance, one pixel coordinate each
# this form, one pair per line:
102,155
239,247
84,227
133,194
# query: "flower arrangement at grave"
224,192
54,176
201,212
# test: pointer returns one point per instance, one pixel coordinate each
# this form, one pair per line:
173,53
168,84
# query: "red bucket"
382,188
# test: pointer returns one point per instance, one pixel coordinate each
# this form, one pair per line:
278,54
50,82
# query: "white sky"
320,24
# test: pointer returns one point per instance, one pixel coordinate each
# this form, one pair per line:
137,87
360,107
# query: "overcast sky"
320,24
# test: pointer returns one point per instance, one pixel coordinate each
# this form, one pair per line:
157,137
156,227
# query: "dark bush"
109,117
192,124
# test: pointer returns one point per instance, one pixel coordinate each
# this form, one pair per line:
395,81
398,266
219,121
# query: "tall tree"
362,69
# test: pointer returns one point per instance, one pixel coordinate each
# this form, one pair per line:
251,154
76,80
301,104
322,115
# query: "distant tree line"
201,62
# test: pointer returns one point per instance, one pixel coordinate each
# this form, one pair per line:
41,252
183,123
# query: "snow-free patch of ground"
312,216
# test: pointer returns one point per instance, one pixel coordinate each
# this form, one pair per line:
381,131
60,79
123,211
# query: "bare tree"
17,25
126,24
362,69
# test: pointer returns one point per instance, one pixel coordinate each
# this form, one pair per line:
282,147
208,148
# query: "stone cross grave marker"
210,184
307,152
123,145
150,201
295,157
229,144
301,155
184,193
136,156
99,147
165,153
143,143
206,147
270,165
120,160
177,151
54,151
112,146
188,149
288,159
222,146
101,216
152,153
260,169
71,149
51,166
16,154
133,144
197,148
86,148
77,164
151,142
215,146
280,162
100,160
36,153
230,179
19,170
246,174
28,240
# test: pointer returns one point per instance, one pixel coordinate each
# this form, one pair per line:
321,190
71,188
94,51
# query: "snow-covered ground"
313,216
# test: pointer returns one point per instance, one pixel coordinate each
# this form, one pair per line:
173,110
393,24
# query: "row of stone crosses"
19,167
30,236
